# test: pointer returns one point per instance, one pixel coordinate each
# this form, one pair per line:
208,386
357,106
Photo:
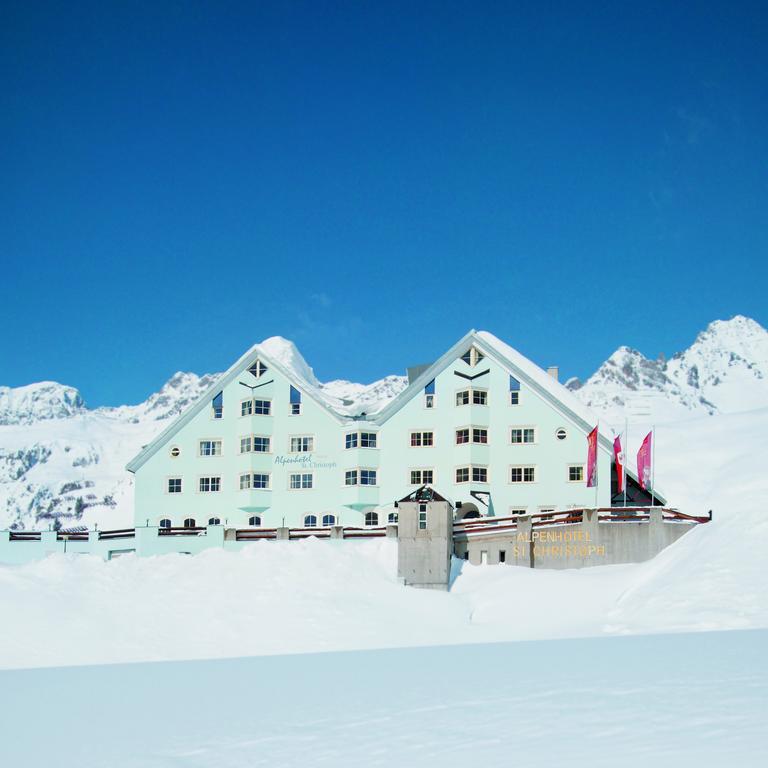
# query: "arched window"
214,521
165,523
329,520
189,522
254,521
310,521
392,517
371,518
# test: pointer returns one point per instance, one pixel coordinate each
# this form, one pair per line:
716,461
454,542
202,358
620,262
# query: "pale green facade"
492,465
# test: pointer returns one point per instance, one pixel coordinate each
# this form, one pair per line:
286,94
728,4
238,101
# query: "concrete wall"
577,545
424,554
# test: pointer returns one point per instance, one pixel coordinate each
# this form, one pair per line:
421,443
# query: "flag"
618,459
644,462
592,458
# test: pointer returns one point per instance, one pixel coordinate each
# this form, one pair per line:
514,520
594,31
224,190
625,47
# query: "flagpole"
626,454
653,465
597,464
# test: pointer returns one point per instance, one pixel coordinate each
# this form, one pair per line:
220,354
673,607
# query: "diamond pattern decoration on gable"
258,369
472,356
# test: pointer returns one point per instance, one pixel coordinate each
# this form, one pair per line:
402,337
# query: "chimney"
554,371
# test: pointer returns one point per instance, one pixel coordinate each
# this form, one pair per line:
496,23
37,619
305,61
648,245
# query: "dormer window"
472,356
258,369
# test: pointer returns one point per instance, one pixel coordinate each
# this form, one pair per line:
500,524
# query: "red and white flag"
644,459
592,458
618,459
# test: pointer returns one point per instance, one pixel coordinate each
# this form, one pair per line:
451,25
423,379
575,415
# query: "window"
371,518
422,517
520,435
425,439
210,484
479,474
310,521
210,447
429,395
189,522
422,476
174,485
258,369
472,356
514,398
254,443
462,475
165,523
254,521
245,481
518,511
479,435
217,406
367,477
350,477
576,473
257,407
392,517
361,439
300,481
175,452
214,521
367,439
462,436
514,391
475,396
329,520
561,434
303,444
260,480
295,404
522,474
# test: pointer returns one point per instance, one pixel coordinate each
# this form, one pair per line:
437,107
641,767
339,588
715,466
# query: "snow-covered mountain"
62,463
725,370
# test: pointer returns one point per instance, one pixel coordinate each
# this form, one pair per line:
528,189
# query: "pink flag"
618,459
592,458
644,462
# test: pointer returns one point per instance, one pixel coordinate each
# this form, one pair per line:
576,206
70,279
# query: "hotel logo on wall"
304,461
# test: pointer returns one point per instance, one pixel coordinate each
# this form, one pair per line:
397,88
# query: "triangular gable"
521,369
218,386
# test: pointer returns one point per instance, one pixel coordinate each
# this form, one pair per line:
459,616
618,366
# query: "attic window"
217,406
472,356
258,369
295,401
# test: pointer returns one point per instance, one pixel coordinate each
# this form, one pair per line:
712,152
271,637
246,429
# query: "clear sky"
181,180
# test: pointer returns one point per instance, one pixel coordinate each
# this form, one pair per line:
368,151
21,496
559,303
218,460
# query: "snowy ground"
665,700
300,597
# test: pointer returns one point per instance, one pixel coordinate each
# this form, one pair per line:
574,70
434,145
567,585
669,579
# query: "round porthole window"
175,451
561,434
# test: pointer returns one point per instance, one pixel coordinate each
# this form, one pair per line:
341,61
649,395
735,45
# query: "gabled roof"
280,355
519,366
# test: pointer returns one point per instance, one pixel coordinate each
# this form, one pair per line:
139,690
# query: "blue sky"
183,179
